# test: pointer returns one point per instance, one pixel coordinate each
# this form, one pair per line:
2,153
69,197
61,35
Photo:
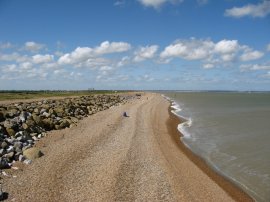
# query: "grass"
19,95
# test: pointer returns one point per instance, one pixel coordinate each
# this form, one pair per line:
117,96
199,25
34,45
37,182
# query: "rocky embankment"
23,124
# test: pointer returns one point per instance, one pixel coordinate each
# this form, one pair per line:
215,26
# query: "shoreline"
228,186
120,159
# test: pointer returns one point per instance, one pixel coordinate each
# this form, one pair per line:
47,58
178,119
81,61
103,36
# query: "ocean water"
231,131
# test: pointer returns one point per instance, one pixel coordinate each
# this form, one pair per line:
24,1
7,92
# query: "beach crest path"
109,157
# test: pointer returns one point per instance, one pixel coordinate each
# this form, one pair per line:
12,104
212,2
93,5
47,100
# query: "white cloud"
124,61
80,54
26,65
208,66
158,3
105,68
9,68
87,54
222,52
94,62
16,57
251,55
146,52
259,10
42,58
33,46
113,47
227,46
189,49
254,67
228,57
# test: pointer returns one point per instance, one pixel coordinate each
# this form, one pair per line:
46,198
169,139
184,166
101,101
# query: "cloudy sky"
135,44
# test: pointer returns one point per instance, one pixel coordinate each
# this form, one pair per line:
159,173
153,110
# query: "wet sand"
108,157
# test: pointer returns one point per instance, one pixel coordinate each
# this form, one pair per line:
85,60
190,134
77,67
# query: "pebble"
27,161
21,158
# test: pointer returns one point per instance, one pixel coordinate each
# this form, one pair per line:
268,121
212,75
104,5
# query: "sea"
231,132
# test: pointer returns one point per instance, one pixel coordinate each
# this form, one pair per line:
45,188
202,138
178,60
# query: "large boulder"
32,153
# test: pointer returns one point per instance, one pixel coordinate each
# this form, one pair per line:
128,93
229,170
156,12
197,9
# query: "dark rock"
4,163
48,123
2,116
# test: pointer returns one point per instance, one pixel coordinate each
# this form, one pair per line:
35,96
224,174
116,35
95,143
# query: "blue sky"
135,44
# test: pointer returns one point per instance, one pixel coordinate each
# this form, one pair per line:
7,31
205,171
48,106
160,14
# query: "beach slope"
108,157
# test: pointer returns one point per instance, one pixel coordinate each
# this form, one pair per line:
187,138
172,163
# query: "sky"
135,44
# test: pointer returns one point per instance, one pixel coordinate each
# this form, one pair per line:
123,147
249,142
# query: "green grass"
14,95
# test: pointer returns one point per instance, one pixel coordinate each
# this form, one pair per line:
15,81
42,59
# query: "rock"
4,145
72,125
64,124
51,111
46,114
48,123
30,123
21,158
10,149
9,155
12,113
33,134
59,111
25,126
2,116
2,152
18,151
37,119
8,124
18,145
19,134
10,131
32,153
27,161
23,116
57,127
10,140
4,163
36,110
